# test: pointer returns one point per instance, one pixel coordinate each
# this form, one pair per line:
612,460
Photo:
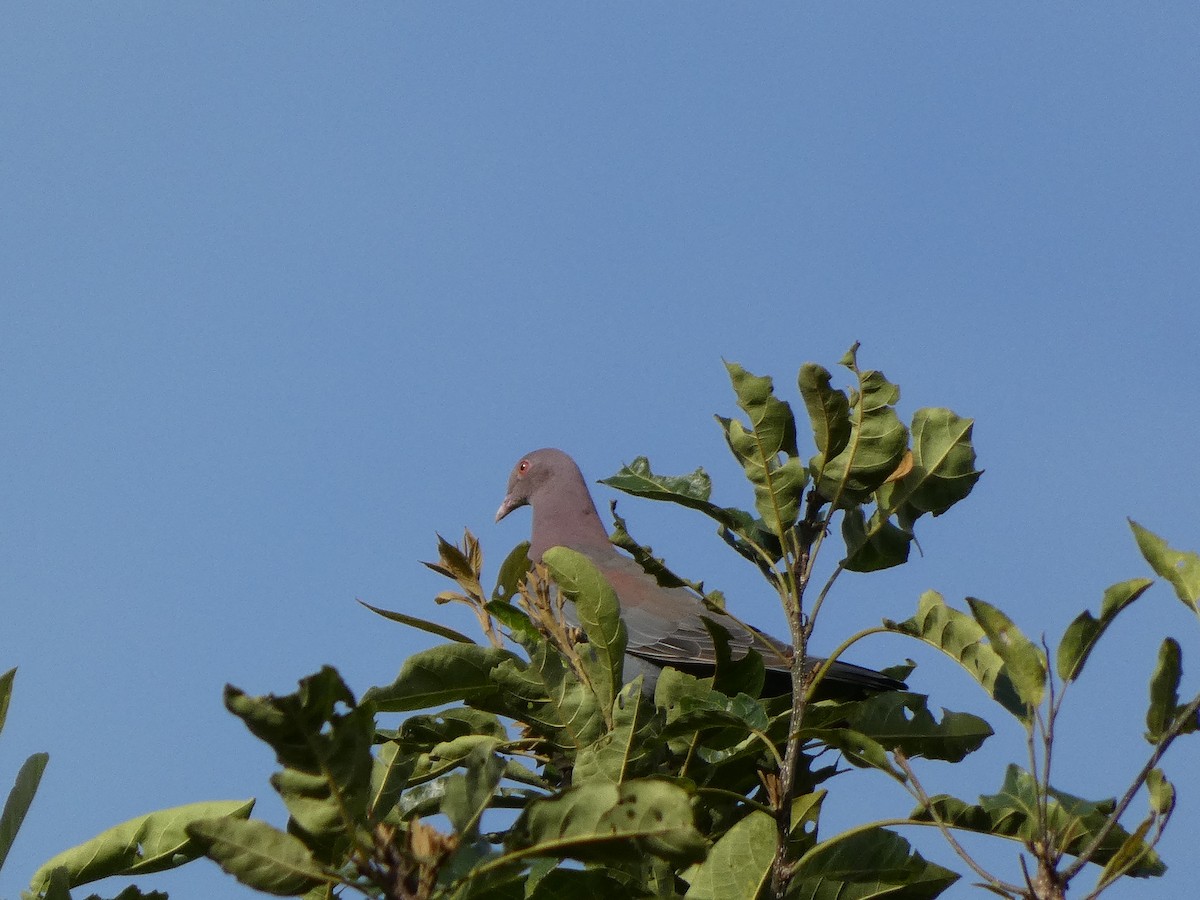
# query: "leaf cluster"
536,764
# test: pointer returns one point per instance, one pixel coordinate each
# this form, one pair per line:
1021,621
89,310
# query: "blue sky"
287,288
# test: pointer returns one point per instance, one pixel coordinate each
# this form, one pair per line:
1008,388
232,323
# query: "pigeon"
665,625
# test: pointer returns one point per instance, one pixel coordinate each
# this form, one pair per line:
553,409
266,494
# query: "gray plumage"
664,624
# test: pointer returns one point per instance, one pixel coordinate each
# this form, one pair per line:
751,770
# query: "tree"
525,766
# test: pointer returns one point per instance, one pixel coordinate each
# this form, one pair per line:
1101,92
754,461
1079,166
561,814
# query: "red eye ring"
523,466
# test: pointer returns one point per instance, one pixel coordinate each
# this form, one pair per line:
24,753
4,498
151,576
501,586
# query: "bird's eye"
523,466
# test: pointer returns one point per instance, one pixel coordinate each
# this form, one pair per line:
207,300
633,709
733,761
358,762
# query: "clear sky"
286,288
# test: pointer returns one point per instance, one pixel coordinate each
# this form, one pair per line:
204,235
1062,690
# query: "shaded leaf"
389,777
421,624
469,793
259,856
6,686
1164,691
857,748
1013,813
512,573
1181,568
903,721
151,843
875,544
1082,634
871,855
942,470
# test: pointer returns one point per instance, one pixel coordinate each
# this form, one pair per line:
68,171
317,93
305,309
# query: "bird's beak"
510,503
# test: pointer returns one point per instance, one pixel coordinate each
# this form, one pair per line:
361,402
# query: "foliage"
20,797
524,766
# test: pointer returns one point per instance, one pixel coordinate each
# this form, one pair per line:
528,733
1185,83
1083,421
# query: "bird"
665,625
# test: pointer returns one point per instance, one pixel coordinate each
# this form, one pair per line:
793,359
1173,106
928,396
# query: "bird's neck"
567,522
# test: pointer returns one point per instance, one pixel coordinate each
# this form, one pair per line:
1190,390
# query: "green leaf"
857,748
1161,791
606,821
326,754
587,884
1082,634
6,685
389,777
691,490
441,675
259,856
1128,855
1180,568
599,613
874,545
1164,691
943,470
962,639
1024,662
873,854
902,721
512,572
739,864
151,843
421,624
19,799
630,749
778,483
828,410
877,444
644,554
468,794
573,710
1013,813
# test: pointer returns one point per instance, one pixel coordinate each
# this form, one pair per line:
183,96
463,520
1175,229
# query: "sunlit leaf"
259,856
630,749
440,675
601,821
828,410
1082,634
877,443
151,843
599,613
767,449
961,638
19,799
1181,568
739,865
1024,662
